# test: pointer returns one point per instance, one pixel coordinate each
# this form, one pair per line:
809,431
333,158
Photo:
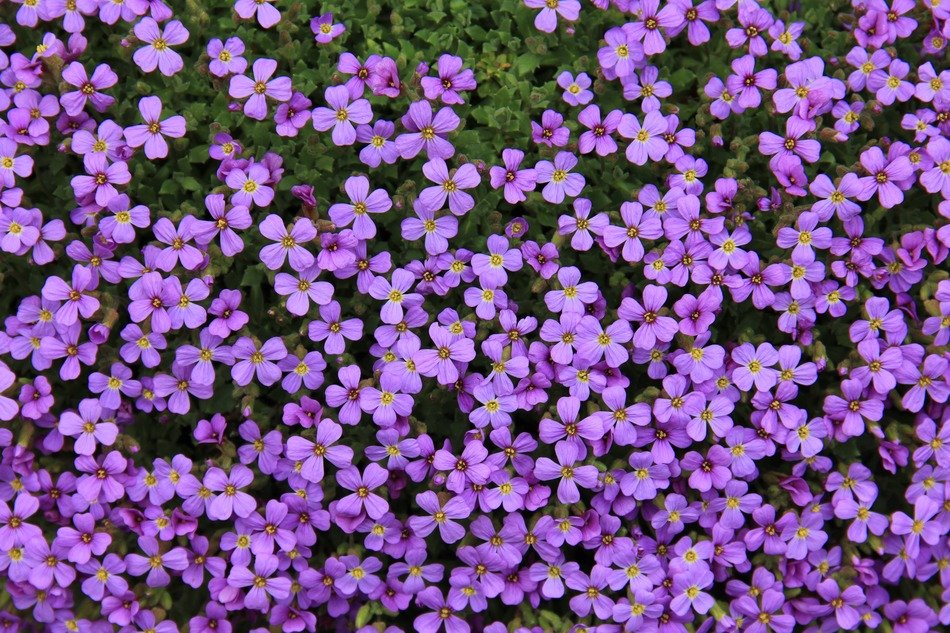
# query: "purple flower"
431,597
313,453
100,179
226,57
158,53
201,359
341,115
441,516
437,231
99,481
379,149
152,134
565,469
363,499
89,88
111,388
154,562
266,13
623,51
575,89
362,201
263,584
451,80
546,21
75,303
257,90
324,29
14,529
449,187
649,26
598,137
427,132
251,360
552,131
302,290
289,243
395,293
231,500
647,140
516,182
697,313
468,468
561,181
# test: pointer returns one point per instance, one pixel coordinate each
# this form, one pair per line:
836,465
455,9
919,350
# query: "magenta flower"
885,177
100,178
75,303
452,79
152,134
89,88
258,89
516,182
158,53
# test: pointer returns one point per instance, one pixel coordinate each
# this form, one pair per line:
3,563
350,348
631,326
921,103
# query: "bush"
516,316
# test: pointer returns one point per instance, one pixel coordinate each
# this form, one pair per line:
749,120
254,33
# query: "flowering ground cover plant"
509,317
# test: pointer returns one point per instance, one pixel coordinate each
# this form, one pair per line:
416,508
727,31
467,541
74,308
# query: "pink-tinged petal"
241,87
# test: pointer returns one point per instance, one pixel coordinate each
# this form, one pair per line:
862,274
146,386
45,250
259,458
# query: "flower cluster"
647,367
